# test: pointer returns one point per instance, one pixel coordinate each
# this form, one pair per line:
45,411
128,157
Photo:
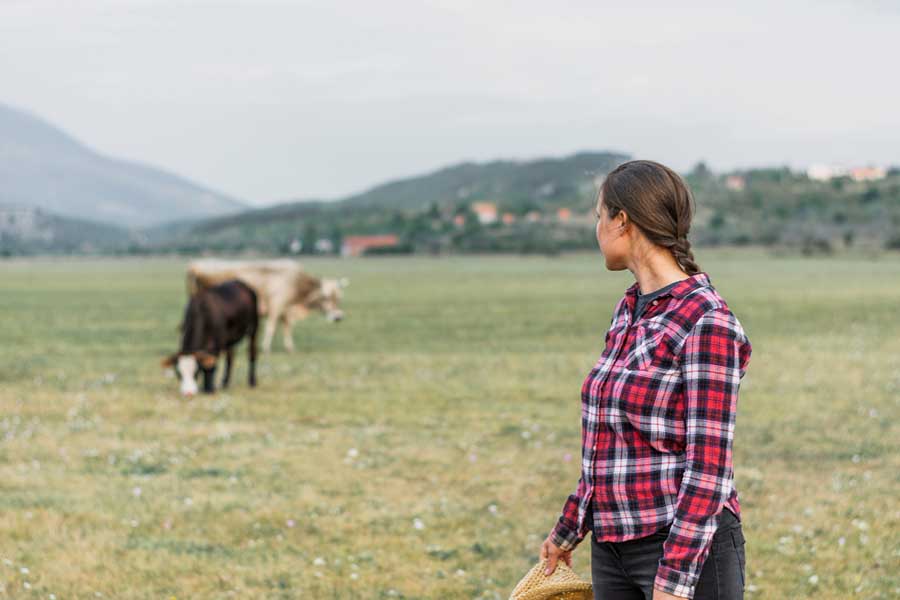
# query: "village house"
20,221
868,173
357,245
485,211
827,173
735,183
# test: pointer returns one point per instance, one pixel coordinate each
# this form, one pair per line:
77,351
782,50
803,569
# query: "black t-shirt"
644,299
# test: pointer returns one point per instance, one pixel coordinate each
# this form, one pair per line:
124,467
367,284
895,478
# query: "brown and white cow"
286,292
215,320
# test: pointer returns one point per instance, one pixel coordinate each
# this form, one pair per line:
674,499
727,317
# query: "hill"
545,206
517,187
43,167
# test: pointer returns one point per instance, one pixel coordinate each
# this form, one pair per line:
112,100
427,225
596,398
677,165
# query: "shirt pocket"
652,348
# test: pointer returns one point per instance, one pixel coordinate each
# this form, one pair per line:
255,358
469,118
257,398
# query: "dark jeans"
626,570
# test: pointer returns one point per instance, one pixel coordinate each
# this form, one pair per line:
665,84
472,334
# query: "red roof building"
356,245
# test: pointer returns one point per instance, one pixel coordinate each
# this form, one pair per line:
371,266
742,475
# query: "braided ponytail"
683,254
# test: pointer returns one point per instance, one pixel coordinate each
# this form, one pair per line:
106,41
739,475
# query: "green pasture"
424,447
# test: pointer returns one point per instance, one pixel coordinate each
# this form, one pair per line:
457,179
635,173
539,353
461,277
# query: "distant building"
868,173
533,216
563,214
828,172
736,183
356,245
295,246
825,172
485,211
324,246
508,218
459,220
19,221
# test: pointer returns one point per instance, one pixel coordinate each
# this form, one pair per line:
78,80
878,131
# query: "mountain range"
43,167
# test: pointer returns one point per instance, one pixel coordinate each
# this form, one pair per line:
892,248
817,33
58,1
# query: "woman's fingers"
551,565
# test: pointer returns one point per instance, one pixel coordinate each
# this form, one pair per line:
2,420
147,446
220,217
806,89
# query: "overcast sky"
271,101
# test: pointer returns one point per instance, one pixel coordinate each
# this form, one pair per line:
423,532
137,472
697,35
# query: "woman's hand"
552,554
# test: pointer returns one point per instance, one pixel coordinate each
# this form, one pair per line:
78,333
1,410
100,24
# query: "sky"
274,101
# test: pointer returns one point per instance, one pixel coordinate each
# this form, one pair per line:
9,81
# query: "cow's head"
326,298
189,366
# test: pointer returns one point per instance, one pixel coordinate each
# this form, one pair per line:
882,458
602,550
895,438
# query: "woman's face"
611,237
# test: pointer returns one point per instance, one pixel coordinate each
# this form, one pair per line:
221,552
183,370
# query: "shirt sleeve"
566,534
714,359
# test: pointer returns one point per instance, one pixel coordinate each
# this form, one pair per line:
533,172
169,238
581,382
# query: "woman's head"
644,206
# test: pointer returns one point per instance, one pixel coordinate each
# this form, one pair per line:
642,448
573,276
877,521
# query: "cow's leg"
229,356
209,380
271,322
251,351
286,331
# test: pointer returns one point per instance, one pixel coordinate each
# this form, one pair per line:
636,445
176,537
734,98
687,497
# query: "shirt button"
655,302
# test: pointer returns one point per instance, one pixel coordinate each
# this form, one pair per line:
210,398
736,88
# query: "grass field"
424,447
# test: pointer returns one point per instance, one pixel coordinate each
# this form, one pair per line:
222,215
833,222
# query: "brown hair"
658,202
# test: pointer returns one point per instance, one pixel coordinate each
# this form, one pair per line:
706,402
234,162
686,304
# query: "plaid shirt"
658,417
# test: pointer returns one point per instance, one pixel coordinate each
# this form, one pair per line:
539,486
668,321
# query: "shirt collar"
681,289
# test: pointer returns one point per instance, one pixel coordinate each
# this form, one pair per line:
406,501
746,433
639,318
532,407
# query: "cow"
286,292
215,320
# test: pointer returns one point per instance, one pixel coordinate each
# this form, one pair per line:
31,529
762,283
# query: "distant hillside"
43,167
545,206
515,186
510,183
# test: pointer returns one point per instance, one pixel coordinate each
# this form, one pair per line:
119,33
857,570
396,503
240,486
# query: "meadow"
424,447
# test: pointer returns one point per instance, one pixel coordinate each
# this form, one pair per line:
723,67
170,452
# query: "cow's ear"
169,361
343,282
206,360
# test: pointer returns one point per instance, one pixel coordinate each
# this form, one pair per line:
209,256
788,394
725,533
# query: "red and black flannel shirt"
658,417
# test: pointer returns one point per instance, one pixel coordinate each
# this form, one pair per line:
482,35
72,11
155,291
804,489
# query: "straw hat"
563,584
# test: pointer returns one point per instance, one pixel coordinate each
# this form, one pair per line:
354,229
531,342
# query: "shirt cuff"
566,538
677,583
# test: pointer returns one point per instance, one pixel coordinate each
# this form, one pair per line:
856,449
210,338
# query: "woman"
658,411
